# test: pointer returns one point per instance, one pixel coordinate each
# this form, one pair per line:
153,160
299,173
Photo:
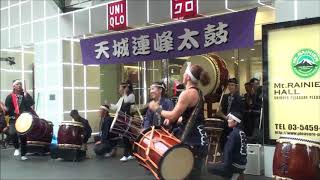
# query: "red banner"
184,9
117,15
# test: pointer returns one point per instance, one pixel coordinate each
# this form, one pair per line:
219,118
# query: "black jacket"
235,150
25,105
236,105
106,135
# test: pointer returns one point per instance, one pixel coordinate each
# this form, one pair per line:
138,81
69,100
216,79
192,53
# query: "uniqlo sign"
183,9
117,15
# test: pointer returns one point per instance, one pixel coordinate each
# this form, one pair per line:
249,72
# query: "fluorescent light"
232,57
242,60
252,49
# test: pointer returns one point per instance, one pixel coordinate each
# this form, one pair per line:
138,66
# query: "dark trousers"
223,170
104,147
199,153
224,136
14,137
127,147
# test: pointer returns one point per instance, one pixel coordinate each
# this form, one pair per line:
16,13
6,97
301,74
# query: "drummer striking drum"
18,102
190,107
157,91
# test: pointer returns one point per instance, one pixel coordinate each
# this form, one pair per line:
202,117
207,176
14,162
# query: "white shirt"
125,99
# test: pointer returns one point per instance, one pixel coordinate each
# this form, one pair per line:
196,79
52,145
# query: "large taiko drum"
163,154
70,135
217,69
126,125
296,158
37,131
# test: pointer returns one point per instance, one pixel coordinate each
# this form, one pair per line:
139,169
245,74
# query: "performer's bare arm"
188,98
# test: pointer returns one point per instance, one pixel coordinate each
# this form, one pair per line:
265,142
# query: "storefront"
46,46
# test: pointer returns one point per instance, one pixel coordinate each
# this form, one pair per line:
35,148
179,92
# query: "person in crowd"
17,102
105,146
124,105
191,126
231,102
157,94
86,126
235,151
254,111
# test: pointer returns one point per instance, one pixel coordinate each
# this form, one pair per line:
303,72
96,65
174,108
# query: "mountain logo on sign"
305,63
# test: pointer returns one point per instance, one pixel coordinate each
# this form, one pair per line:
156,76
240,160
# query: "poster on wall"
292,60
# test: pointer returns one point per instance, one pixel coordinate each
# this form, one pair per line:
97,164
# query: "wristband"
158,110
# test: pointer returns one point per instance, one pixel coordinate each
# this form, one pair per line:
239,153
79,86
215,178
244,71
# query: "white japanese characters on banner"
176,40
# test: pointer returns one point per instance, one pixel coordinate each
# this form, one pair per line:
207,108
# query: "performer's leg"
127,147
220,169
200,153
23,141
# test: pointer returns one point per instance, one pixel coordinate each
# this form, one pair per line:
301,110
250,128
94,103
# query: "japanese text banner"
200,36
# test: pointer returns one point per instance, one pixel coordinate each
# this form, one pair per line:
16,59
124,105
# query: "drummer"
106,145
231,102
87,128
189,101
157,93
235,150
124,104
18,102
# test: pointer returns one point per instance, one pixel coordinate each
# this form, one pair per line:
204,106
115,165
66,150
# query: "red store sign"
184,9
117,15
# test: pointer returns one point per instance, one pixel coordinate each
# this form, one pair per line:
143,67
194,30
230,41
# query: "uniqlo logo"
183,9
117,15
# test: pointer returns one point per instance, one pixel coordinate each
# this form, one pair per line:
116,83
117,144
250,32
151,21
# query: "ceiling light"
252,49
241,59
232,57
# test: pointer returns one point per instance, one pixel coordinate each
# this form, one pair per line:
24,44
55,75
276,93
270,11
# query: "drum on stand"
38,131
214,128
70,135
126,125
296,158
163,154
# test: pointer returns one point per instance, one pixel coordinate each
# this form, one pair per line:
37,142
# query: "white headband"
156,85
16,82
234,117
104,108
188,71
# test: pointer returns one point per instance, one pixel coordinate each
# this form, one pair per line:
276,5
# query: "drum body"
70,135
37,131
296,158
218,72
163,154
126,125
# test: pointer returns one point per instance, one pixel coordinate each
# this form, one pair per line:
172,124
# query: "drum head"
177,163
24,122
209,65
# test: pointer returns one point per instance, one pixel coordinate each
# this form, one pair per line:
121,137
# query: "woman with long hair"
189,110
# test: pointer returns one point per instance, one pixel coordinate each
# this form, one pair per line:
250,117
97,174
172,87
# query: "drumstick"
223,91
139,112
150,140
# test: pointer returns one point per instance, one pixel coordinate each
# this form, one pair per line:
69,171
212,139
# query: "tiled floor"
44,168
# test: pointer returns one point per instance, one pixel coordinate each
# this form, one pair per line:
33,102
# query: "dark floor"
44,168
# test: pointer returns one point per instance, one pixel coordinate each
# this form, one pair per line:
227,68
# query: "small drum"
296,158
37,131
214,123
163,154
70,135
126,126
